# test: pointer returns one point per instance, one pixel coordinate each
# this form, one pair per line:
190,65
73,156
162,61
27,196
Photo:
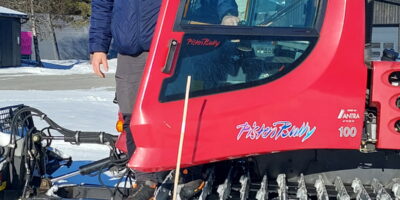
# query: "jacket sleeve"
225,7
100,26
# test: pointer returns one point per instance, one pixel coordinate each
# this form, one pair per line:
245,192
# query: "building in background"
10,36
72,40
386,27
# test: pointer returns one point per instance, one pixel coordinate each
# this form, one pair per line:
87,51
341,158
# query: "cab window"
262,13
224,63
267,40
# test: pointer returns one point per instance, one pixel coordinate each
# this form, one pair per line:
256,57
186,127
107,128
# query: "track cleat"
359,190
302,189
191,188
283,188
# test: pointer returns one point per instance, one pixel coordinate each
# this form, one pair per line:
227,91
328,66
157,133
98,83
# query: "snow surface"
84,110
78,67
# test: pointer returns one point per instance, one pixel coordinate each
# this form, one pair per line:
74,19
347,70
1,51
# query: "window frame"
271,33
251,30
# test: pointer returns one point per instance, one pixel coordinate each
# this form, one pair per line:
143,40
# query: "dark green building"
10,37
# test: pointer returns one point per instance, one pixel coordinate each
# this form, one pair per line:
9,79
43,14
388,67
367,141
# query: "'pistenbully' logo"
279,129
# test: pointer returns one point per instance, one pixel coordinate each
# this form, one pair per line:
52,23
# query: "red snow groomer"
284,105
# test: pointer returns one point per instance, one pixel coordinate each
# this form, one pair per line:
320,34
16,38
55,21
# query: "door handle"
173,44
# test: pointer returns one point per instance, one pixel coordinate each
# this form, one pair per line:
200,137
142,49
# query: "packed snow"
84,110
76,67
75,109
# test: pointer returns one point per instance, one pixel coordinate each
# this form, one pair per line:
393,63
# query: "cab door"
259,85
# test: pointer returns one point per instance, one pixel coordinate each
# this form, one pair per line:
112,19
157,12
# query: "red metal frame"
326,92
384,96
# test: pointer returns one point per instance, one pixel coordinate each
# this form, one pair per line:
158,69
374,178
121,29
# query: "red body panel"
325,93
121,142
384,97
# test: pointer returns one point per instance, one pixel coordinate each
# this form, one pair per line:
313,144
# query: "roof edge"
6,12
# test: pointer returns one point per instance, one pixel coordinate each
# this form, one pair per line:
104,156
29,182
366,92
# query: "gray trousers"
128,77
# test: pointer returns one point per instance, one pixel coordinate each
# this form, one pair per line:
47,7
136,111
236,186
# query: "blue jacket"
131,23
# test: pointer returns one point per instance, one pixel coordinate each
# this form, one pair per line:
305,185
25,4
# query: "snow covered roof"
6,12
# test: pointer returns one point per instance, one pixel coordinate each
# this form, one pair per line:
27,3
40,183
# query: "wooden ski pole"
182,136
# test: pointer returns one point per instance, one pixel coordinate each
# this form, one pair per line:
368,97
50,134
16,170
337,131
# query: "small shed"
10,36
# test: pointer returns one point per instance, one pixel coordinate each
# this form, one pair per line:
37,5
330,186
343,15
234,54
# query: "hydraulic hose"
91,137
90,168
69,135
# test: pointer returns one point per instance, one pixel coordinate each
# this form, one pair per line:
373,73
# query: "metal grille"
6,117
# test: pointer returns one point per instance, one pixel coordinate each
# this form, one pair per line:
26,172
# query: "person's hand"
230,20
97,59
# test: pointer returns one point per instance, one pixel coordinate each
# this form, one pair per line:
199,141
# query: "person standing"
130,23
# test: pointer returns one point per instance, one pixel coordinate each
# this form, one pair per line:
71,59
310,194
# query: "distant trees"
16,5
76,12
54,7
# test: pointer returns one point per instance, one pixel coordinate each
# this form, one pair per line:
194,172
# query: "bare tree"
16,5
34,33
46,15
53,32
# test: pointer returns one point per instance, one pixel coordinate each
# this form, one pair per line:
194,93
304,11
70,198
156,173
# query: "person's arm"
100,34
228,12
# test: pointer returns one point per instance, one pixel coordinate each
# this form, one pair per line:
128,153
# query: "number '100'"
348,131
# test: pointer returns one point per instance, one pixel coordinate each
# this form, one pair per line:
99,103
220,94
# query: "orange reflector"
185,171
3,184
120,126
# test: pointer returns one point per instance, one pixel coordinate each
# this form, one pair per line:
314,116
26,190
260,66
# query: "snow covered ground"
77,109
78,67
88,109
